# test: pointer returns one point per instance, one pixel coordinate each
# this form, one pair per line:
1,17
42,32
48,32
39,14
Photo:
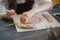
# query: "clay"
34,19
23,27
31,21
47,17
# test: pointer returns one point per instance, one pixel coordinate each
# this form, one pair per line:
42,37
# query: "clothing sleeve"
47,1
3,1
36,2
20,1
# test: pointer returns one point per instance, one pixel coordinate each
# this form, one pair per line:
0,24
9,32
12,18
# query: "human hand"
28,14
10,13
25,16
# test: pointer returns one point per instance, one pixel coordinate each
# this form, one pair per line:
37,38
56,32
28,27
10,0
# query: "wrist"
31,13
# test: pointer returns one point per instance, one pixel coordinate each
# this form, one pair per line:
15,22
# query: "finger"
8,11
12,10
25,15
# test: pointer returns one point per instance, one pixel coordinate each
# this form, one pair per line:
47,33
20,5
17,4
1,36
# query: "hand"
23,17
10,13
27,15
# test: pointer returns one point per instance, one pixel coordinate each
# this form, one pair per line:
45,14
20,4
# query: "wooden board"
43,24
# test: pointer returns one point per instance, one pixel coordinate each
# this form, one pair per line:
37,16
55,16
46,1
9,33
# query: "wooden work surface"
10,33
43,23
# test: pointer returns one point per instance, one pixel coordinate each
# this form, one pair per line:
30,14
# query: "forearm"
42,7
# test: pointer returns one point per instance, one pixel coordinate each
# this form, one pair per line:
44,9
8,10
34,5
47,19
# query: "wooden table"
10,33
